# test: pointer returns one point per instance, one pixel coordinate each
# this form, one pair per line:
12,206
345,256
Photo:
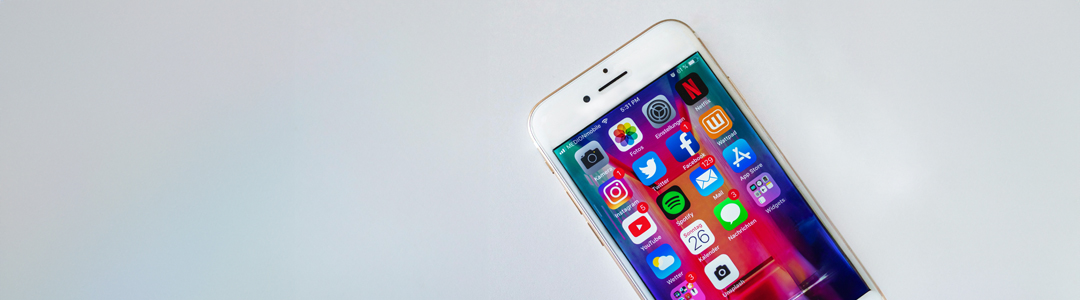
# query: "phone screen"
697,203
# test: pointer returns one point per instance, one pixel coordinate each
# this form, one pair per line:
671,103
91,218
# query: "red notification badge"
619,173
642,207
685,126
690,277
733,194
708,161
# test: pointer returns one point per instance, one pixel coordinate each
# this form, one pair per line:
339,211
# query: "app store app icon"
739,156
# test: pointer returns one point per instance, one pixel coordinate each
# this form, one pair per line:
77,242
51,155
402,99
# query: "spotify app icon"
673,202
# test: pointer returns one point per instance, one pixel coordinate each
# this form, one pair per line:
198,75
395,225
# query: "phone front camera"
586,99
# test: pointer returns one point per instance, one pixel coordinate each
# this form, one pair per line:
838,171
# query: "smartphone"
681,183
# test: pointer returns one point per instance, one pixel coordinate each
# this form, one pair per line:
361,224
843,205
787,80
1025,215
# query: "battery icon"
691,63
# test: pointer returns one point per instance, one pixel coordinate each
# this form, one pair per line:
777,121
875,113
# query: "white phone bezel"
646,57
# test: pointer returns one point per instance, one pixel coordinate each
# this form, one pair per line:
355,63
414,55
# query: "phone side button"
550,169
574,203
597,235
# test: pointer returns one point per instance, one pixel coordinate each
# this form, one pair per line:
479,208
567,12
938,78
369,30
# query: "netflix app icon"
691,89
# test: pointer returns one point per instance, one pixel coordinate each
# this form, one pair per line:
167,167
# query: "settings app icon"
658,111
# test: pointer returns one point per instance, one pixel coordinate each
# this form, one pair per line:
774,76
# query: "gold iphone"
681,183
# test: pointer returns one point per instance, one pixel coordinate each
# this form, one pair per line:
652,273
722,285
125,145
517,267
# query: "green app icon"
673,202
730,213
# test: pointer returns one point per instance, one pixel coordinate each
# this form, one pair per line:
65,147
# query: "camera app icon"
721,272
591,157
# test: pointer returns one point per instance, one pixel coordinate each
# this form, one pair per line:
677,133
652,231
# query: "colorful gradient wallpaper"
698,204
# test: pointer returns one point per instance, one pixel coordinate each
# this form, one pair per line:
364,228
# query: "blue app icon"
739,156
707,180
649,168
682,145
663,261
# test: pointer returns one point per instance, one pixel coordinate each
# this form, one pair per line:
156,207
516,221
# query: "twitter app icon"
649,168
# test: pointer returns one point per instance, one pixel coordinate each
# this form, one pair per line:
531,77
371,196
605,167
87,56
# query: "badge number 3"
697,237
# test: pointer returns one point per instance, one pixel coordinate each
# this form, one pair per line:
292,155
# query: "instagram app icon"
615,192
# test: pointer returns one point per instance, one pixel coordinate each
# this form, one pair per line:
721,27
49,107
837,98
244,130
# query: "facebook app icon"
739,156
682,145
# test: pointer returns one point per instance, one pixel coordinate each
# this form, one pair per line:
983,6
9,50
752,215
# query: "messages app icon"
649,168
739,156
731,213
707,180
663,261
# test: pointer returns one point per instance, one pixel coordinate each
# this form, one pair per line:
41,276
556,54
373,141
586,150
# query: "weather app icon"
663,261
649,168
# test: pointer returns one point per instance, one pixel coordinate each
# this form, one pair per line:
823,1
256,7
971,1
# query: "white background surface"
355,150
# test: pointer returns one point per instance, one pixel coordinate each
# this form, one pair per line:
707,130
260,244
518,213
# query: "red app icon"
639,226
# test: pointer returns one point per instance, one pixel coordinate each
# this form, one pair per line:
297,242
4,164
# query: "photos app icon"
626,134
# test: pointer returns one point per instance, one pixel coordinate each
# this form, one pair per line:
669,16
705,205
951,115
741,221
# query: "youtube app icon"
639,226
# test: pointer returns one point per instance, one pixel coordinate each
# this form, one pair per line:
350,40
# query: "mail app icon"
707,180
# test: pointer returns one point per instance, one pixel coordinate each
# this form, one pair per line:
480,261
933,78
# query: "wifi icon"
673,202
